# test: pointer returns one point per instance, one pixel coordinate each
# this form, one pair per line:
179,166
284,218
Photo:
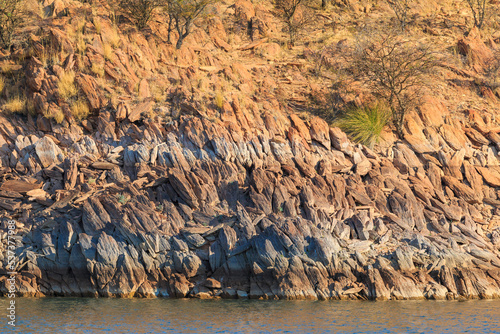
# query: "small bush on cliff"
401,8
395,69
11,18
365,125
182,15
294,15
139,12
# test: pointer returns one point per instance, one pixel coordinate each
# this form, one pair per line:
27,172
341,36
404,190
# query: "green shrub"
365,125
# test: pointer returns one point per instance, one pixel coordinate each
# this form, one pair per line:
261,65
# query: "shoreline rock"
209,210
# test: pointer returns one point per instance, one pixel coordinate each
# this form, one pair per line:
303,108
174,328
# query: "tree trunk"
179,42
170,21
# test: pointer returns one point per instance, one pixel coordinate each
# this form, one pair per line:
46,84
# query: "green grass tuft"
365,125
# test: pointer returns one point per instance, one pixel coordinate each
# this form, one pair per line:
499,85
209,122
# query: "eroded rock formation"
258,207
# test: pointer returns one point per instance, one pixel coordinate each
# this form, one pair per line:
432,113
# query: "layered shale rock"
253,207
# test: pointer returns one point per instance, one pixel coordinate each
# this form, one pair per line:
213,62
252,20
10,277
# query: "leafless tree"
395,69
401,8
294,15
478,8
139,11
182,15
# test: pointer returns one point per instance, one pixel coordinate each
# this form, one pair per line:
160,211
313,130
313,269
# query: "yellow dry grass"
15,105
98,69
57,115
157,92
114,37
80,109
66,85
2,83
107,51
219,99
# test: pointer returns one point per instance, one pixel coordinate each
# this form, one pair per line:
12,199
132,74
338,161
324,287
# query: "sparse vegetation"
80,109
392,67
365,124
80,44
294,15
395,69
114,37
66,85
492,71
139,12
30,107
219,99
478,8
98,69
157,92
2,83
182,14
56,114
15,105
122,199
97,25
107,51
401,8
11,18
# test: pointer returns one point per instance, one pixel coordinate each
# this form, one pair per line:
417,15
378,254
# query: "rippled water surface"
72,315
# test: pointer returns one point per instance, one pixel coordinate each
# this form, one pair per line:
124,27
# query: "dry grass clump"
98,69
76,33
97,25
80,44
2,83
66,85
80,109
57,115
107,51
15,104
219,99
157,92
114,38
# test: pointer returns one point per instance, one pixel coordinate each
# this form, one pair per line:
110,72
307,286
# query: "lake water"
86,315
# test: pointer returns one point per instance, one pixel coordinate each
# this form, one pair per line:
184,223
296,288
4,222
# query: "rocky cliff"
259,207
244,199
